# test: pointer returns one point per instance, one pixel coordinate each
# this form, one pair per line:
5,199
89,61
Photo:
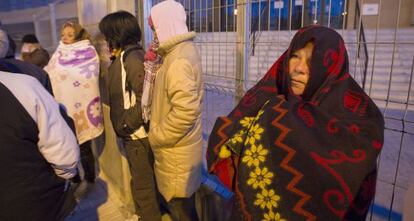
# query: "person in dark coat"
33,52
124,83
11,64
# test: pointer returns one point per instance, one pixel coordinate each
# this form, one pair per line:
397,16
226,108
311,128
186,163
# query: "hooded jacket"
175,128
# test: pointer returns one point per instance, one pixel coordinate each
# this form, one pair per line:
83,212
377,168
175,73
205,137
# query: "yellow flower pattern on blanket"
267,199
247,121
271,216
255,155
254,133
238,137
260,177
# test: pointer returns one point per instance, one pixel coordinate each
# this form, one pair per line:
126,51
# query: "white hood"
169,20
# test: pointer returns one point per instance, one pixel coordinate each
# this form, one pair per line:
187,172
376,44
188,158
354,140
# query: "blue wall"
10,5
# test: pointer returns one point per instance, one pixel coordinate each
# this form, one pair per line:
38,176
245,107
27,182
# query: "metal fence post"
242,48
36,25
144,11
53,28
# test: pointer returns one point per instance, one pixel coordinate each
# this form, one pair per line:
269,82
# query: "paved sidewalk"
97,205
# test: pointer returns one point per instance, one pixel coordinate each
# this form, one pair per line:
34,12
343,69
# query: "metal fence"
239,40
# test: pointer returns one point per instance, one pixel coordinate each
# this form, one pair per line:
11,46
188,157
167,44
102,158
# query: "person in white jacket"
38,155
175,116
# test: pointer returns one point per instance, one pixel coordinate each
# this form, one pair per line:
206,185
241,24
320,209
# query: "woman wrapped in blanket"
302,143
74,73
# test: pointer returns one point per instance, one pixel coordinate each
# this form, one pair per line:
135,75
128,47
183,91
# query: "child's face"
68,35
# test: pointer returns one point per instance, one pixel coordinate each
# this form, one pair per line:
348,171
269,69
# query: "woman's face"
299,68
68,35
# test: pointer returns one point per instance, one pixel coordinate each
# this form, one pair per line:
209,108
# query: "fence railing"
362,50
256,29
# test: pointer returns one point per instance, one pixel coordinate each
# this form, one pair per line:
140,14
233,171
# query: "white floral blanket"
74,74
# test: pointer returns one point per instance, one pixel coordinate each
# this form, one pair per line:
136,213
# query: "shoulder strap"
128,94
129,50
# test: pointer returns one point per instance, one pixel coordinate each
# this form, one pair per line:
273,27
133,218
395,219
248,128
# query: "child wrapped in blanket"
74,73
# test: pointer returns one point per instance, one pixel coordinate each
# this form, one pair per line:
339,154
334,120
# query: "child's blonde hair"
80,32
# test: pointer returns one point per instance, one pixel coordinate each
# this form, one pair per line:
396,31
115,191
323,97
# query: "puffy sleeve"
57,142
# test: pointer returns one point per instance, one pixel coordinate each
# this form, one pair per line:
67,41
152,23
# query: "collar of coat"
167,46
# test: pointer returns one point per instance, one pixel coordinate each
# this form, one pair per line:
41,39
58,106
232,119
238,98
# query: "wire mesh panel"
215,24
381,55
389,83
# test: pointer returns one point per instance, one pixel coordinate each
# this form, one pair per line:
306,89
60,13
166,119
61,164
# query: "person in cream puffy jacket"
175,121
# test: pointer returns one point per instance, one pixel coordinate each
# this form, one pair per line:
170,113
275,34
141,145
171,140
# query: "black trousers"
68,205
143,185
183,209
87,162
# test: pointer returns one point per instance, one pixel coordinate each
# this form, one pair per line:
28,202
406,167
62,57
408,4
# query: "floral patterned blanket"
74,73
308,157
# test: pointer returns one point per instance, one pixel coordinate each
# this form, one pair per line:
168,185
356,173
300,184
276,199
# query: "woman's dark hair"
120,29
30,38
39,57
